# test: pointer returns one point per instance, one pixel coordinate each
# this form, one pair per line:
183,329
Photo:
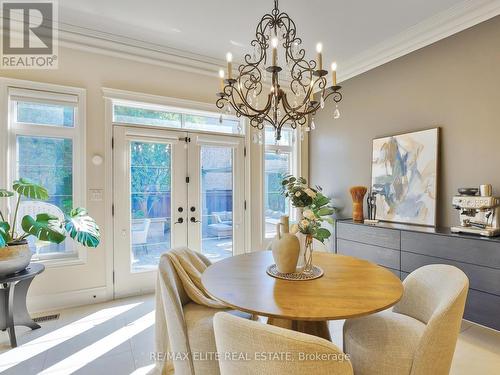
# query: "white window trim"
296,151
77,134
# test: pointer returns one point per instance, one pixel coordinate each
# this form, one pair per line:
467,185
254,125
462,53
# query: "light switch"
95,195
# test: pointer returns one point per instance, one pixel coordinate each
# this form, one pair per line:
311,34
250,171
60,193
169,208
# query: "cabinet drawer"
375,236
483,308
481,278
380,255
475,251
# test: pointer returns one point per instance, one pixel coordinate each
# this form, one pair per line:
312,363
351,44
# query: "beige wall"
454,84
92,72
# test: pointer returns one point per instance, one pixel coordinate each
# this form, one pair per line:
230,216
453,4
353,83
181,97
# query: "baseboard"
57,301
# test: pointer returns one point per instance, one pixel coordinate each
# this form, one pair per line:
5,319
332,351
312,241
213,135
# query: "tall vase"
302,241
308,265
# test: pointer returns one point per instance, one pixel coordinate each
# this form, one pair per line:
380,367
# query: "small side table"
13,311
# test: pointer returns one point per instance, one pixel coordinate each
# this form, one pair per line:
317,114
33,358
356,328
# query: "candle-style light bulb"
221,76
229,59
274,45
319,61
334,73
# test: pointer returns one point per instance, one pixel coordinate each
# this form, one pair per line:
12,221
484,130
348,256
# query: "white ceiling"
212,27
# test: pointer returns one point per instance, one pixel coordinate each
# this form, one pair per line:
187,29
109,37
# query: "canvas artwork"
404,173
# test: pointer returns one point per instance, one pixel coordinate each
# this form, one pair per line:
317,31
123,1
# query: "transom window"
125,112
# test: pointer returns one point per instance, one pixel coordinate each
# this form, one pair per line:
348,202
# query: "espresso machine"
479,214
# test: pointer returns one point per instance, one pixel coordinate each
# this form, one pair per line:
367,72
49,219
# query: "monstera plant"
45,227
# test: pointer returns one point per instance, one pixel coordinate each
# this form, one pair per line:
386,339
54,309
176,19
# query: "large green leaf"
82,228
322,234
325,211
30,190
4,233
5,193
45,227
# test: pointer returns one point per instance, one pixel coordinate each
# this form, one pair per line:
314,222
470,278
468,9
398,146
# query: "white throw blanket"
189,266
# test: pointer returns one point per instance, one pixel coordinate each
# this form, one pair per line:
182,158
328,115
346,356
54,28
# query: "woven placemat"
315,273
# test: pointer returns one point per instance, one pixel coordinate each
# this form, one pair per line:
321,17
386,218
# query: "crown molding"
451,21
94,41
442,25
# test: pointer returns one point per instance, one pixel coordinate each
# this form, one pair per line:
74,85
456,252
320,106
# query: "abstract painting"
404,174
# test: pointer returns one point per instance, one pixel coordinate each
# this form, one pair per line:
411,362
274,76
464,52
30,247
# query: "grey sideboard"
404,248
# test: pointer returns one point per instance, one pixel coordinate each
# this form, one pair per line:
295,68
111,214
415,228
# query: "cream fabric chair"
189,327
419,335
252,348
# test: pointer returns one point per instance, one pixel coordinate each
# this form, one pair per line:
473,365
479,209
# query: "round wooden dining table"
349,288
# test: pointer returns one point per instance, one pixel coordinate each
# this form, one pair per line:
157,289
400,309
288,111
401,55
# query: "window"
46,139
280,159
162,116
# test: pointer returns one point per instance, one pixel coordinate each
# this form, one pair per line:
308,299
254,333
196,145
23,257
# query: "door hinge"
245,151
113,277
112,143
113,209
244,204
187,180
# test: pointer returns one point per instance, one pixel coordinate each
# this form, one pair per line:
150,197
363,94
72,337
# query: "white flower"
310,192
298,194
304,223
294,229
308,214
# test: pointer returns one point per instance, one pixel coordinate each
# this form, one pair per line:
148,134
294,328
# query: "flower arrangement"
316,207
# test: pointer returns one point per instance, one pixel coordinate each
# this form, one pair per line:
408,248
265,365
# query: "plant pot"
14,258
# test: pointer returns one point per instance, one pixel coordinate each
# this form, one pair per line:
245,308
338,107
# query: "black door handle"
193,220
179,221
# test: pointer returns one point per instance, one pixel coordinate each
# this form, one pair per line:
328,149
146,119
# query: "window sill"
62,262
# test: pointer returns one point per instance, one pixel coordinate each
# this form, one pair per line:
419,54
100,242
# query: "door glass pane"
45,114
48,162
150,175
277,165
217,202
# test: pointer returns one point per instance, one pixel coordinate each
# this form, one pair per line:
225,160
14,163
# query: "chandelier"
255,92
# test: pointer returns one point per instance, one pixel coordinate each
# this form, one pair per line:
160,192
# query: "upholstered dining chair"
248,347
418,336
188,333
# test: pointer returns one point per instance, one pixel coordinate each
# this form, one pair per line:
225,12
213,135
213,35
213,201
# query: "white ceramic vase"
285,247
14,258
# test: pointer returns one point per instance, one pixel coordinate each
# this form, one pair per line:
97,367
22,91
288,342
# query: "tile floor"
117,337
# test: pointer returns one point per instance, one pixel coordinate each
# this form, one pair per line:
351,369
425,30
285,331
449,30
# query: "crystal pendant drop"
322,102
313,125
228,109
336,113
255,137
307,129
239,128
260,137
220,119
302,135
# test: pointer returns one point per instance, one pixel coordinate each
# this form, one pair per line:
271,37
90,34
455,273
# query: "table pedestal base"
315,328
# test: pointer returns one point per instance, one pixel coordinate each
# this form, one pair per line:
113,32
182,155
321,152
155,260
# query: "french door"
173,189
